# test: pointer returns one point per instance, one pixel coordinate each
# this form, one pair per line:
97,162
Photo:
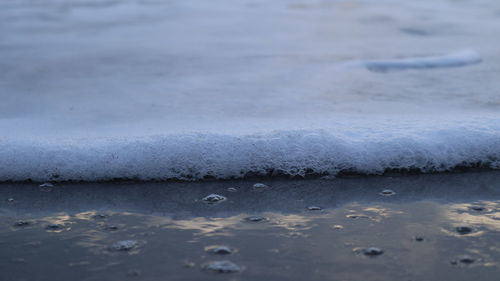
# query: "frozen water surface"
98,90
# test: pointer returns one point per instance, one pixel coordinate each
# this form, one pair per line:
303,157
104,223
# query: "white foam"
193,89
456,59
426,147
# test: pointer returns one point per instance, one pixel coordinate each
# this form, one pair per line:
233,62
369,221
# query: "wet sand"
421,227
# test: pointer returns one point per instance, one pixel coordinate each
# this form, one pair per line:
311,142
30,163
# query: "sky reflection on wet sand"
416,229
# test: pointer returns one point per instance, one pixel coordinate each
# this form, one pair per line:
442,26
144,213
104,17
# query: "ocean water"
149,89
432,227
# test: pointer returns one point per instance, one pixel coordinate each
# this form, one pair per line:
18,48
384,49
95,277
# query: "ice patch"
456,59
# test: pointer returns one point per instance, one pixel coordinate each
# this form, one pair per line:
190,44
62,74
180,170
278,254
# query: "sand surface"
434,227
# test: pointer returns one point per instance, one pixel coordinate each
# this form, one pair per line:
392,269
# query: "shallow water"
70,230
136,68
134,89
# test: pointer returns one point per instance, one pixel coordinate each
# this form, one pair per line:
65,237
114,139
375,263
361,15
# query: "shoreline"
408,187
271,176
419,227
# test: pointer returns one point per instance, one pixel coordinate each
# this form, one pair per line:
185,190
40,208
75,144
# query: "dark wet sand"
67,232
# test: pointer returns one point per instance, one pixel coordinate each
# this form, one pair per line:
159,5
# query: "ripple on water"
357,216
387,192
419,238
370,251
373,251
464,259
254,219
46,187
464,230
477,208
21,223
111,227
100,216
54,226
134,273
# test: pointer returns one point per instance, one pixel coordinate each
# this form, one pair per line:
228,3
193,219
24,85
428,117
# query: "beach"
426,227
250,140
96,90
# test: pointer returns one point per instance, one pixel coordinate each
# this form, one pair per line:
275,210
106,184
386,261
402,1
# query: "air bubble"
219,250
387,192
214,198
221,267
124,245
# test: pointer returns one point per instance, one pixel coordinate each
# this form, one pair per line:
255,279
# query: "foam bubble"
428,147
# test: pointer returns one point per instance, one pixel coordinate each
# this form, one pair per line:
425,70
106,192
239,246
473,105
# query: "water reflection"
415,231
483,214
327,242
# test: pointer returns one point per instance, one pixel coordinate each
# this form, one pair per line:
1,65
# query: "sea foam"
455,59
190,90
298,153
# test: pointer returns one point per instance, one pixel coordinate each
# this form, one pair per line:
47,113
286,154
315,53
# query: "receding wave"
298,153
193,90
